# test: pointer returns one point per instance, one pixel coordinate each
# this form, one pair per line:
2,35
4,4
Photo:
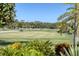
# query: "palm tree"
72,17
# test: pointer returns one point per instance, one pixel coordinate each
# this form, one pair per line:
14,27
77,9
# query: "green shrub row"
33,48
36,48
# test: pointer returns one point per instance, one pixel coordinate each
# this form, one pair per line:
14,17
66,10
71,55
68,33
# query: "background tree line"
36,24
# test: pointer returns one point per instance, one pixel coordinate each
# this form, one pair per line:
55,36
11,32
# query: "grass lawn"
51,35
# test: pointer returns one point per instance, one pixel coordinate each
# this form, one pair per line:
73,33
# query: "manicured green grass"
51,35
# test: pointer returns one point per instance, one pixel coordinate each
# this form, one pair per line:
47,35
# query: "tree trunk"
77,27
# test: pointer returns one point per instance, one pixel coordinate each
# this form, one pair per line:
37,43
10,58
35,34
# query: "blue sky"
45,12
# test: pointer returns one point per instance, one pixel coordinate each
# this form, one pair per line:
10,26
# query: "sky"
44,12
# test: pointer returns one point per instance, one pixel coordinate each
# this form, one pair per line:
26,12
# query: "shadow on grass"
5,43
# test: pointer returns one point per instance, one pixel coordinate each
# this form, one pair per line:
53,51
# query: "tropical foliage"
7,13
68,19
33,48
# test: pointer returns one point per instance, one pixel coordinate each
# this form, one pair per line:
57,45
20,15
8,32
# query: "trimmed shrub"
43,46
17,49
33,48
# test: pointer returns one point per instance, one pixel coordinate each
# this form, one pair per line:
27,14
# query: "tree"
72,17
7,13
